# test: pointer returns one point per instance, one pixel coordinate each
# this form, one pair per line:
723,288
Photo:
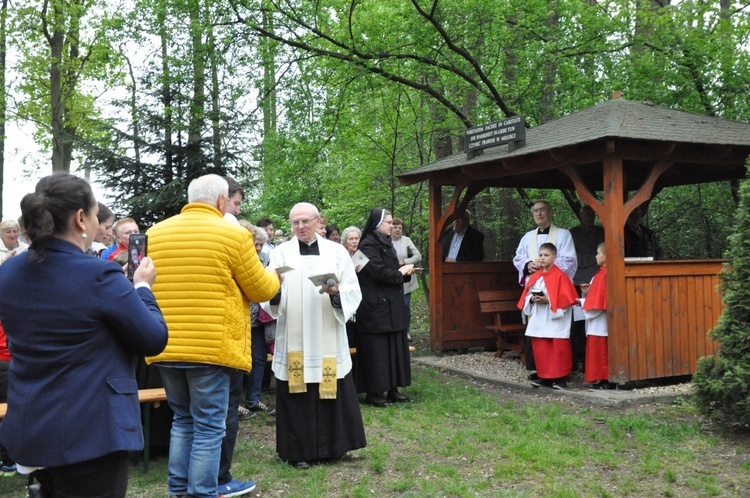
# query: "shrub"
722,382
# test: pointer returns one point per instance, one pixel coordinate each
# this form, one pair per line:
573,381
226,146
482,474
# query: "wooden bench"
507,326
149,397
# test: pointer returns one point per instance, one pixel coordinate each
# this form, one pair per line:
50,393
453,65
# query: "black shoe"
536,382
301,465
602,385
260,407
396,397
375,400
533,377
560,385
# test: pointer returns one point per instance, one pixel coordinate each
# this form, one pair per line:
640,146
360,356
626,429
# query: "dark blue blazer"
74,323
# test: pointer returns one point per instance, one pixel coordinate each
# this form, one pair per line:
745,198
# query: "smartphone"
137,250
537,293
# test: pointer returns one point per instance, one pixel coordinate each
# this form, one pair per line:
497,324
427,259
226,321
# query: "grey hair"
540,201
207,189
9,224
349,230
259,235
305,205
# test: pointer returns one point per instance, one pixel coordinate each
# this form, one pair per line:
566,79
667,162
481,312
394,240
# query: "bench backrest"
501,302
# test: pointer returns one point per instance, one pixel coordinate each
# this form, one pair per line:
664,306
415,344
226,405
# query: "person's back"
208,273
200,256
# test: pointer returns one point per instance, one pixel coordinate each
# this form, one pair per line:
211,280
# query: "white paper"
360,260
319,280
283,269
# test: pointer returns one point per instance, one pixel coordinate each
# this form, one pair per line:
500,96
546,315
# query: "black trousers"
103,477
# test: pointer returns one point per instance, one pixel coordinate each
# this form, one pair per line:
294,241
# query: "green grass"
460,441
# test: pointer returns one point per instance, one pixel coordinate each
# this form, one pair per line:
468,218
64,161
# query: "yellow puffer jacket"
207,273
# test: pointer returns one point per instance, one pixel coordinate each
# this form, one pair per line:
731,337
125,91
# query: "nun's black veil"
373,222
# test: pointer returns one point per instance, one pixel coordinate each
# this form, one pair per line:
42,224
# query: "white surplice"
566,260
307,321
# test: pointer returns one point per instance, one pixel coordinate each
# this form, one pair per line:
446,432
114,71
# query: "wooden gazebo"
659,311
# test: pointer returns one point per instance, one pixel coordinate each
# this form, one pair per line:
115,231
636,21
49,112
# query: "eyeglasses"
303,222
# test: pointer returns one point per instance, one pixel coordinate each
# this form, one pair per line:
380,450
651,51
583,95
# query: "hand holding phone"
537,293
137,250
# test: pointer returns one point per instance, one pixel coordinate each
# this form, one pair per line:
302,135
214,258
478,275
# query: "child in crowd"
547,300
595,308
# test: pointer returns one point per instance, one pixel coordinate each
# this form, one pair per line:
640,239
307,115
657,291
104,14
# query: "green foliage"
722,383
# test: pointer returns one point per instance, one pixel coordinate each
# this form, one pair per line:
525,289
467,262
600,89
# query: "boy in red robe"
547,299
595,309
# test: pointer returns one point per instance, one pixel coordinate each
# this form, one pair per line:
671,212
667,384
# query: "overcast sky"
25,164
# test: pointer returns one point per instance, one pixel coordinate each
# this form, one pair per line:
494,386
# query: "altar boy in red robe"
595,310
547,300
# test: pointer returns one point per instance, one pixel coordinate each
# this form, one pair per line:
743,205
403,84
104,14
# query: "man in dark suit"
462,242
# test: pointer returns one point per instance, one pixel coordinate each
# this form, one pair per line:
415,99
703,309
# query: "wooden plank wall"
671,306
463,325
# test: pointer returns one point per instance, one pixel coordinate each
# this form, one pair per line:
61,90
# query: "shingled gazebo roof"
701,148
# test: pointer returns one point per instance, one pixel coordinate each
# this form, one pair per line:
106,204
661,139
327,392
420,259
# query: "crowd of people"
203,313
212,299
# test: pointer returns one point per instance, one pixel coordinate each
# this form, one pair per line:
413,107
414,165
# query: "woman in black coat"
383,362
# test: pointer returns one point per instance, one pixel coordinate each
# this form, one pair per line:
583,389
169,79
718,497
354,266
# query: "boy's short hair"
550,246
601,247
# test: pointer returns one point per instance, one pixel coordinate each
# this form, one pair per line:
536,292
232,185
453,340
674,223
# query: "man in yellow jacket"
208,274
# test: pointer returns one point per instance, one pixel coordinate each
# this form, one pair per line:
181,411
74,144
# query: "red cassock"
553,355
597,348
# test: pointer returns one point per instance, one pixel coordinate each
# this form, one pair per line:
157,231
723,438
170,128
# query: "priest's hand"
331,290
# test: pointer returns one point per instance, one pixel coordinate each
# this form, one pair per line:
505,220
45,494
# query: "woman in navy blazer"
74,324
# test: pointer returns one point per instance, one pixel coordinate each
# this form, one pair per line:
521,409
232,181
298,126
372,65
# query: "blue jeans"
198,397
255,377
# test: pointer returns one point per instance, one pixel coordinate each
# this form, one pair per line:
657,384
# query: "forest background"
328,101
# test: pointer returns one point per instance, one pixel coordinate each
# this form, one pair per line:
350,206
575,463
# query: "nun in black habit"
383,361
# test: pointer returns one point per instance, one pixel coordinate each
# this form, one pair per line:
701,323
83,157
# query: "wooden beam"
644,193
613,217
435,206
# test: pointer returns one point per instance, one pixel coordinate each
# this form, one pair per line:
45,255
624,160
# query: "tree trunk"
3,96
63,74
135,125
198,101
549,73
215,107
166,96
268,92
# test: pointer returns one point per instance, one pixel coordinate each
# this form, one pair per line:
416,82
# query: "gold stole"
297,342
533,248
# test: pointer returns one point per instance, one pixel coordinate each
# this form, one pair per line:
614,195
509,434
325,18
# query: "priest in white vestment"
526,259
318,416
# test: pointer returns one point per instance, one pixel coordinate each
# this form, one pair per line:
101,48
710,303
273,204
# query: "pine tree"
722,382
